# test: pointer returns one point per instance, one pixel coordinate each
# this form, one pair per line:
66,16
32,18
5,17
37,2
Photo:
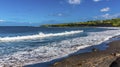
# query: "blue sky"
36,12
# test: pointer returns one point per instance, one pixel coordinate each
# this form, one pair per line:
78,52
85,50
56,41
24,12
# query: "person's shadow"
116,63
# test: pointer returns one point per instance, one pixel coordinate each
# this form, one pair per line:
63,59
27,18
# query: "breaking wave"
37,36
57,49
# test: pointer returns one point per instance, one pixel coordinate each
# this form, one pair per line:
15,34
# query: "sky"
37,12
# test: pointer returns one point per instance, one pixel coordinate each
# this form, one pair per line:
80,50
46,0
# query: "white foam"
59,49
37,36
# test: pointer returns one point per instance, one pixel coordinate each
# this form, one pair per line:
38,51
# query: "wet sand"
96,58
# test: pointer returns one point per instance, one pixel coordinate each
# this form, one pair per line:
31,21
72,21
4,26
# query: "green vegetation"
97,23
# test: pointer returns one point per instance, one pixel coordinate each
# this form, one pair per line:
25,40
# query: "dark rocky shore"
105,58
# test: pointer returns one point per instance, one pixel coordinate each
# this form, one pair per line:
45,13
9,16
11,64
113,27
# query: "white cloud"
75,2
105,9
60,14
2,20
108,16
100,0
96,0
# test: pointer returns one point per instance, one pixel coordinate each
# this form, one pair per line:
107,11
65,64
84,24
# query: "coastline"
93,41
102,58
105,51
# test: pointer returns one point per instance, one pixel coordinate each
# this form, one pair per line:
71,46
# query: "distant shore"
96,58
95,23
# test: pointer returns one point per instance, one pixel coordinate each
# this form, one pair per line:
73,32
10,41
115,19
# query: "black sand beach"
96,58
105,58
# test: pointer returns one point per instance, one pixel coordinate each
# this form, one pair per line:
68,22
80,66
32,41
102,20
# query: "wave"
40,35
59,49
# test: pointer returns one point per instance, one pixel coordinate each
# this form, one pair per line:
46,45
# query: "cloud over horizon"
55,11
2,20
108,16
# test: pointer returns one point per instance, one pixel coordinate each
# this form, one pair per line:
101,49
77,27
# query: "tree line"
97,23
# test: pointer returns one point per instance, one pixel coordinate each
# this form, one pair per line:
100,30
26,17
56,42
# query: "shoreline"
72,46
101,46
83,55
102,58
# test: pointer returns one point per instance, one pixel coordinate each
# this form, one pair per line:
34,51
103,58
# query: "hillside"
97,23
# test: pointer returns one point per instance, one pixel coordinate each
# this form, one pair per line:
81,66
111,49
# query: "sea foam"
58,49
37,36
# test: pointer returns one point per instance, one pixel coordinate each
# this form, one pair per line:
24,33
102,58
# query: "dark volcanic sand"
104,58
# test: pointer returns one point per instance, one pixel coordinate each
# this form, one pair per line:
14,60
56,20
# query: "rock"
114,54
95,49
79,65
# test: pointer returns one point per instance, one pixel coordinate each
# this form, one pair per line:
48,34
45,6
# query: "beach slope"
96,58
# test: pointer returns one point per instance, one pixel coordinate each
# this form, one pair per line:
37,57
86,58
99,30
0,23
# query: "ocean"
30,45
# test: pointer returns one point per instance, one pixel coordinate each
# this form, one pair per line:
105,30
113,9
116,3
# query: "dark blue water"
19,31
11,47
